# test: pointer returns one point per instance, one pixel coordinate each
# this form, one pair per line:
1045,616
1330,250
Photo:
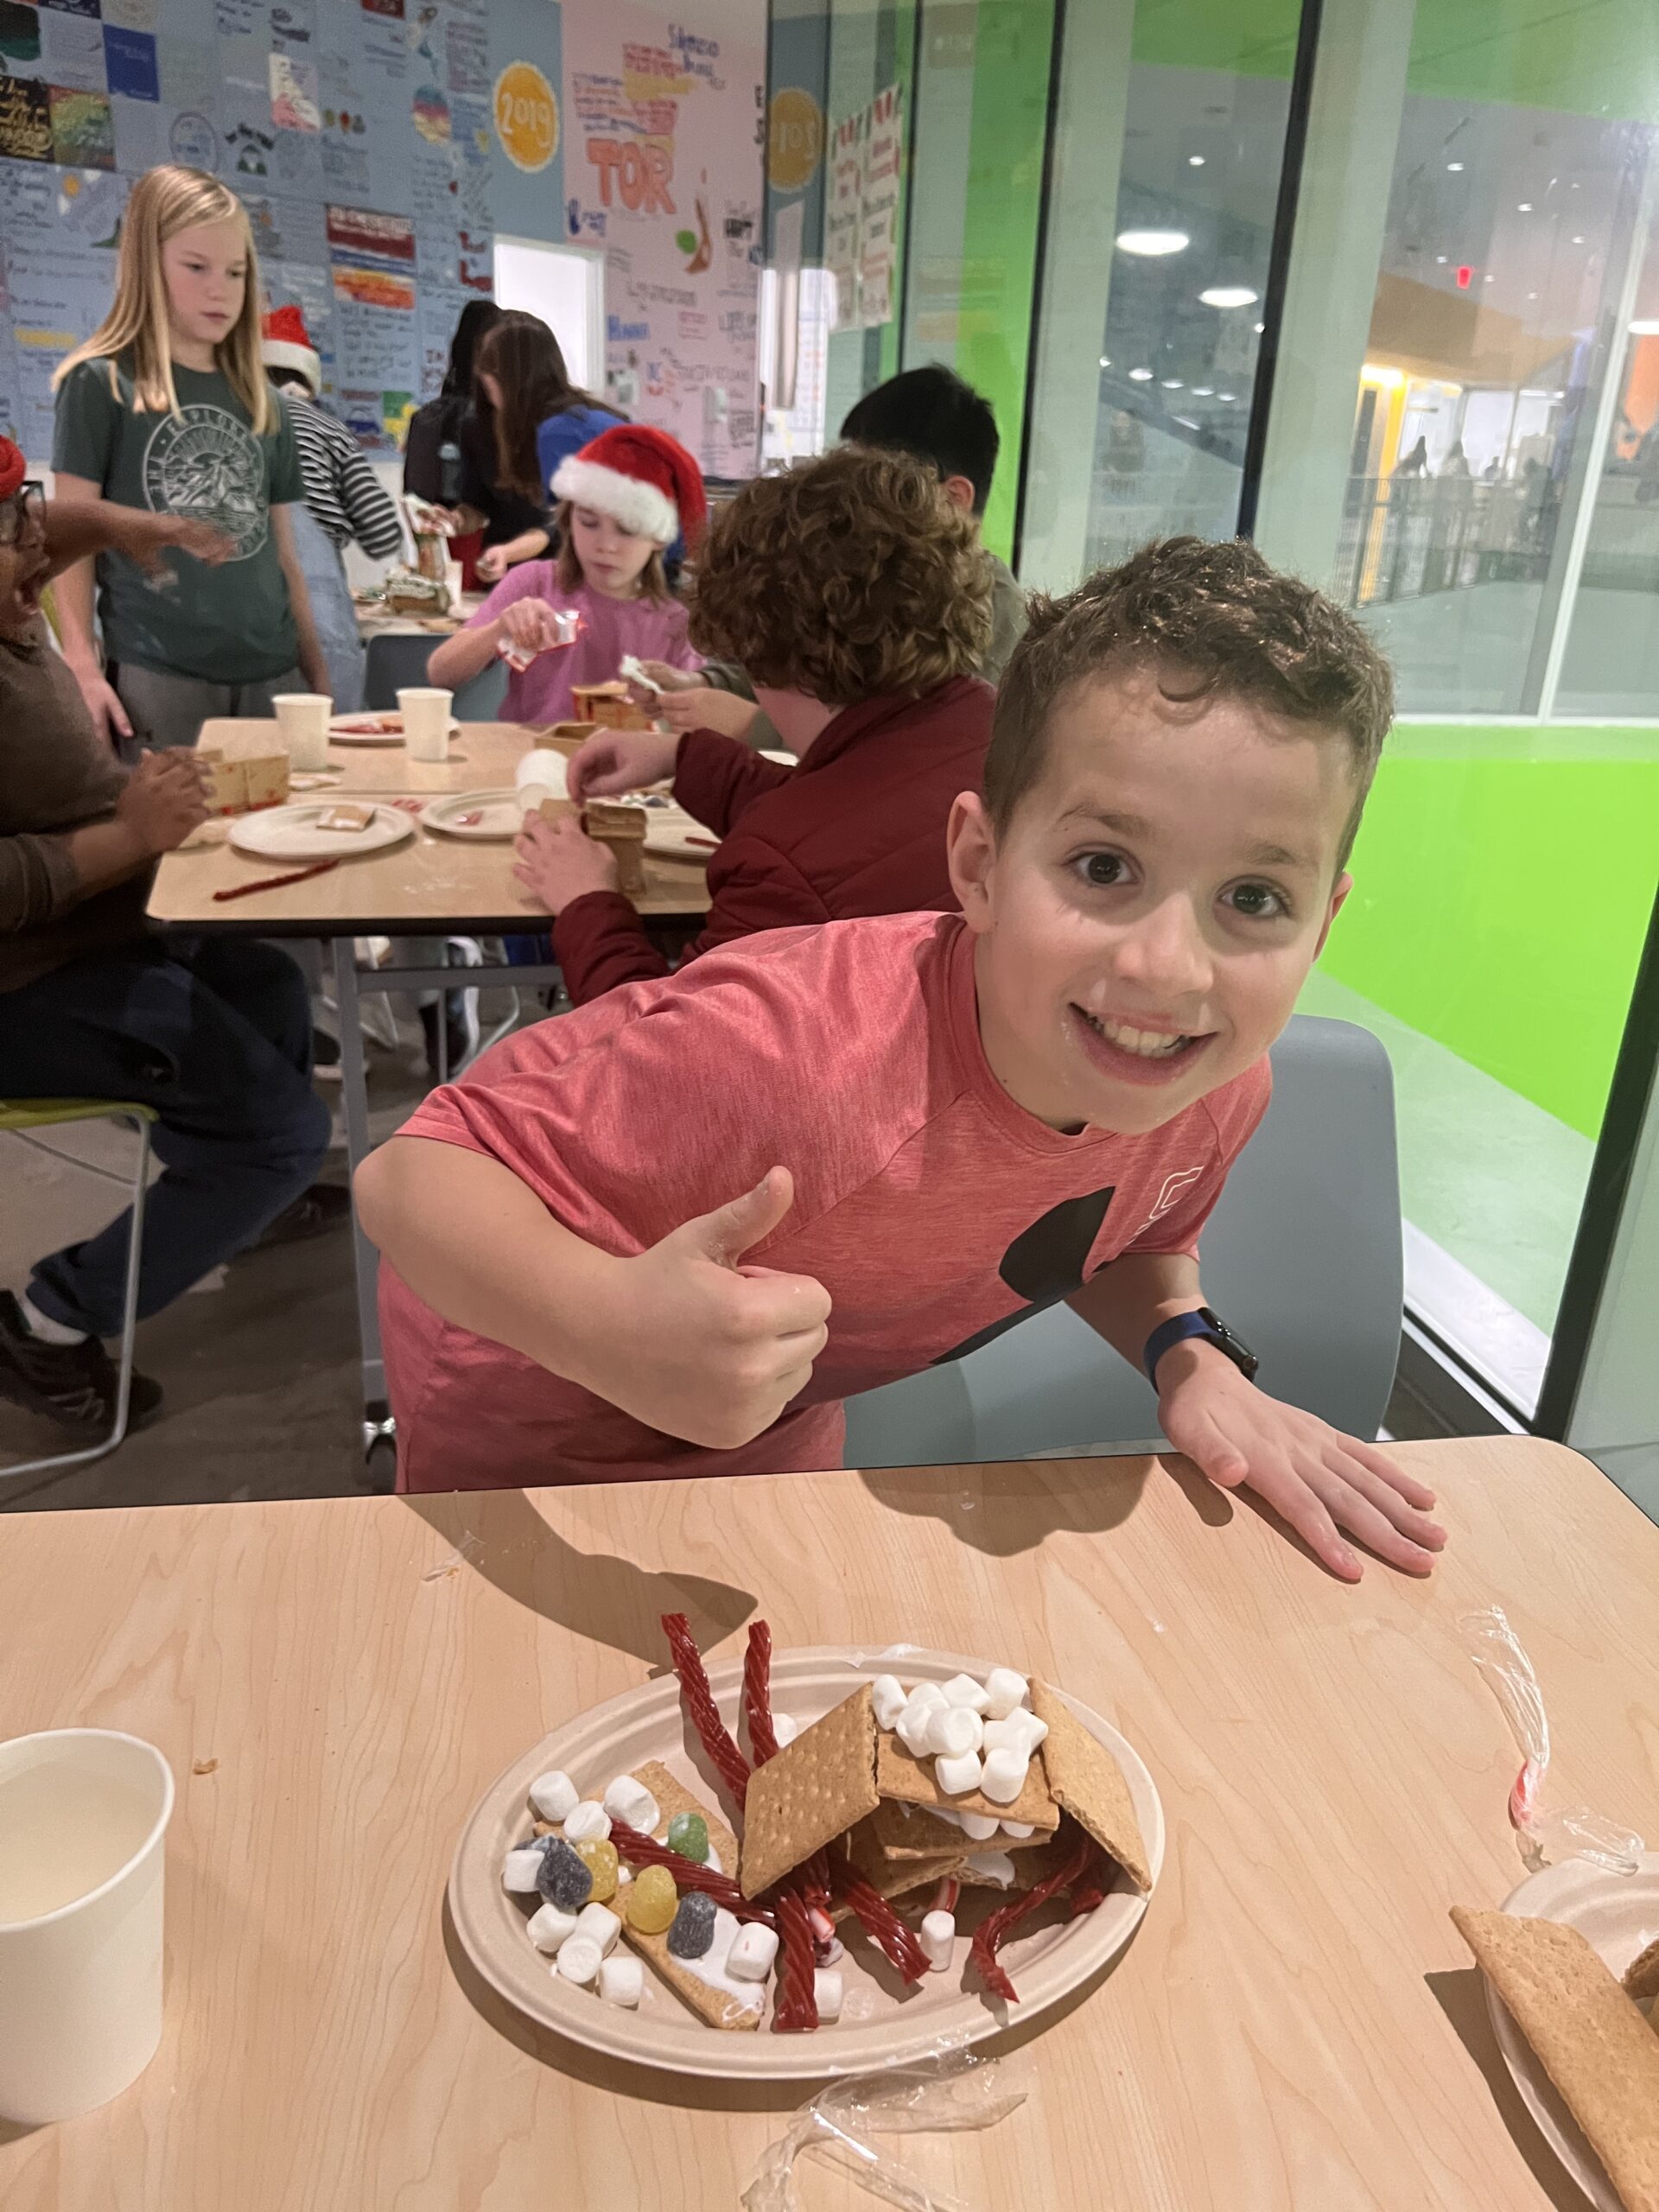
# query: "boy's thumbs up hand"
710,1350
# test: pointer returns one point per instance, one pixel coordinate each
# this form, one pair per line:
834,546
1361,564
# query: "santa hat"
641,478
13,467
287,345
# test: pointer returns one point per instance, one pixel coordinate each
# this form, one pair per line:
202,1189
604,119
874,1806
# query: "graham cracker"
1641,1983
623,830
887,1878
907,1831
609,705
1089,1784
900,1774
1595,2046
814,1791
267,780
1034,1867
712,2006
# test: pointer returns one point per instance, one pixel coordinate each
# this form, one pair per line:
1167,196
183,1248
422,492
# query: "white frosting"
711,1966
992,1867
958,1819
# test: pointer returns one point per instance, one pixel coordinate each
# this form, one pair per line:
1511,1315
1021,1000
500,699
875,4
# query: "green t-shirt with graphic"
229,623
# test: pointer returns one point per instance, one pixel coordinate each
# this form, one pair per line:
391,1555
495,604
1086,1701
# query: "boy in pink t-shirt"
939,1123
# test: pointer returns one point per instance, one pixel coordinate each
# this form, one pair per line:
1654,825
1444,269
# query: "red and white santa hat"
641,478
287,345
13,467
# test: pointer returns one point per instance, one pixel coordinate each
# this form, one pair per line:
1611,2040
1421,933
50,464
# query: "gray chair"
1302,1255
400,658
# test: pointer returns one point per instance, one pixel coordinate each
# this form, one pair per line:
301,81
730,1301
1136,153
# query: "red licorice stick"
699,1701
994,1932
797,2008
645,1851
757,1693
878,1920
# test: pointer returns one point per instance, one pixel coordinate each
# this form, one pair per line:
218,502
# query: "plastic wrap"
1545,1836
950,2091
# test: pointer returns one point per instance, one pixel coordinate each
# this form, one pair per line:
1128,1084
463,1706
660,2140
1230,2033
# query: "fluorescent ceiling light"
1647,327
1373,372
1195,161
1172,383
1523,207
1105,361
1153,243
1139,375
1204,391
1230,296
1454,166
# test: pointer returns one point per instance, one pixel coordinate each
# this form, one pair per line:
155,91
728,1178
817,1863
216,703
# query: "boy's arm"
1315,1478
680,1335
716,778
313,664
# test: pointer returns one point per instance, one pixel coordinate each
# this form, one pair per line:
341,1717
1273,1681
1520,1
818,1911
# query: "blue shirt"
561,435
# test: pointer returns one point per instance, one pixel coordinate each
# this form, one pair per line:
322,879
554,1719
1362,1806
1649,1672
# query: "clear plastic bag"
1575,1832
945,2093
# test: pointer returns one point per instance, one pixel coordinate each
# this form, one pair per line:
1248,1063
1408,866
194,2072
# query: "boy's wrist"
1194,1359
588,1321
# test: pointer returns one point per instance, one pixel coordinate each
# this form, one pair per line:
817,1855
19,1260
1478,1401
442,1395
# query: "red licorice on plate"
699,1701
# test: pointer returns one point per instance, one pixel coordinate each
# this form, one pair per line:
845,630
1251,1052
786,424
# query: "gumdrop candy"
652,1900
601,1862
688,1834
565,1879
692,1934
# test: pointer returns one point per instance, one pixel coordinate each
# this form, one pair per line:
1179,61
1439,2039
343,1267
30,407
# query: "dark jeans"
215,1034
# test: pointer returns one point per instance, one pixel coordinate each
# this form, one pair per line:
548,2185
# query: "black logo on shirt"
1044,1264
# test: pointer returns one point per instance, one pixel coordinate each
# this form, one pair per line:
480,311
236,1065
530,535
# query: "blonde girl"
166,406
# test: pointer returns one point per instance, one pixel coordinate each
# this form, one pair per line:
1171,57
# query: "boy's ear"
1343,886
959,490
970,851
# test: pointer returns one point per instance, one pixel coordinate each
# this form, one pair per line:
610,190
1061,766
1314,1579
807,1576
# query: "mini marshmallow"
598,1924
939,1933
784,1729
955,1775
963,1690
1021,1831
1004,1776
622,1979
520,1868
827,1993
587,1822
1006,1692
753,1948
980,1827
952,1730
993,1867
550,1928
928,1694
631,1803
887,1696
911,1727
553,1796
579,1961
1020,1731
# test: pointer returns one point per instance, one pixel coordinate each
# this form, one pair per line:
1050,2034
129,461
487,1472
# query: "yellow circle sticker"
526,115
794,139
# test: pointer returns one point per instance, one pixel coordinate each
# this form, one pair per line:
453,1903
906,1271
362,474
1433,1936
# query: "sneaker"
75,1384
325,1055
314,1213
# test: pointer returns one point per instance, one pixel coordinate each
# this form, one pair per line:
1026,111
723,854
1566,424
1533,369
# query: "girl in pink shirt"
625,497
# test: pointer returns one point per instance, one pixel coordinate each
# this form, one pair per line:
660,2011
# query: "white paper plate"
784,759
291,833
878,2027
498,810
391,731
1618,1914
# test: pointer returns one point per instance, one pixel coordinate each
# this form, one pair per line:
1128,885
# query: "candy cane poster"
662,170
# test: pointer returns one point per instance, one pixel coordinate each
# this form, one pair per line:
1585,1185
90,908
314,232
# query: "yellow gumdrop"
652,1901
601,1862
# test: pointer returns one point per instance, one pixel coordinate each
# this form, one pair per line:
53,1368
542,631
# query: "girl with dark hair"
435,426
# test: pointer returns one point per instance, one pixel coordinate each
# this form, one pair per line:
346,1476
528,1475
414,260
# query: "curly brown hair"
849,577
1213,621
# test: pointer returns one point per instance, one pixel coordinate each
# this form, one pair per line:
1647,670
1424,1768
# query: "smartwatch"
1202,1322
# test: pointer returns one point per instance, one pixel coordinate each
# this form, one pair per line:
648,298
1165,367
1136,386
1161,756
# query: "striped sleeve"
341,490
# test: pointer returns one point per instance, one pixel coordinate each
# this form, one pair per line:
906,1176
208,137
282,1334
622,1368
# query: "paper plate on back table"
881,2024
295,833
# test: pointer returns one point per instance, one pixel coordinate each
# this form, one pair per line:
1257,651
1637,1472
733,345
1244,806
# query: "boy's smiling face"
1146,921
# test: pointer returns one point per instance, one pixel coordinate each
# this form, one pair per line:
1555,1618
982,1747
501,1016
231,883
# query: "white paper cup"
83,1813
302,719
452,575
426,722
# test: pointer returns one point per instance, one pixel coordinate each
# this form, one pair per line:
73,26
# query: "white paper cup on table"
302,722
539,775
452,575
426,722
83,1815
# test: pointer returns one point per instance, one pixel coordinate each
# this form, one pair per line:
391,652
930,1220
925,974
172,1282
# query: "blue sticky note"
130,59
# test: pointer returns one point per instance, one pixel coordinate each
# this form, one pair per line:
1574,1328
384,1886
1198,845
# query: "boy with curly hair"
938,1122
856,595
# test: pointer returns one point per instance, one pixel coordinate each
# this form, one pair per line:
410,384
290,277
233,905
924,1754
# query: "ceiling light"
1374,372
1532,296
1454,166
1204,391
1646,327
1440,260
1579,241
1230,296
1195,161
1523,207
1105,361
1227,395
1487,278
1139,375
1258,327
1153,243
1171,383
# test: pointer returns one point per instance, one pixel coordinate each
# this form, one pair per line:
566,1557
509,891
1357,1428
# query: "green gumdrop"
688,1834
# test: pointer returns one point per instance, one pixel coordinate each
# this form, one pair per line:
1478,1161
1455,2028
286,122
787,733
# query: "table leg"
354,1100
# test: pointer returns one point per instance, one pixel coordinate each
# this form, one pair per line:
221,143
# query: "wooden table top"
1296,2025
429,883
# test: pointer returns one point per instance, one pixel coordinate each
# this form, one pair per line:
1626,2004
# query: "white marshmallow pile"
631,1803
979,1736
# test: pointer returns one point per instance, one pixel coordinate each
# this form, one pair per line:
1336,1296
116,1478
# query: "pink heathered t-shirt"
652,629
928,1204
